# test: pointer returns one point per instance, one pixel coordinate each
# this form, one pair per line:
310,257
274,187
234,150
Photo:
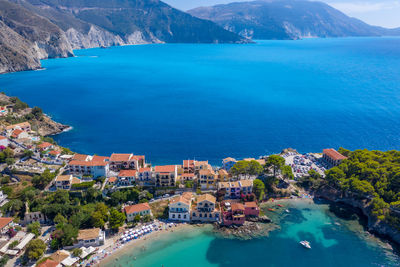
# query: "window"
173,216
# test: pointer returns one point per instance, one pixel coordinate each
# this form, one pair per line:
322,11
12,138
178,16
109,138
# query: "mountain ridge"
287,19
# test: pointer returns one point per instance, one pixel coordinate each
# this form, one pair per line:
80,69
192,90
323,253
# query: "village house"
188,166
165,176
126,177
45,146
91,237
126,162
333,157
92,166
227,163
4,141
24,126
112,181
206,209
233,213
142,209
54,154
187,177
60,255
5,224
234,190
207,179
251,209
179,207
223,175
145,177
201,165
19,134
65,182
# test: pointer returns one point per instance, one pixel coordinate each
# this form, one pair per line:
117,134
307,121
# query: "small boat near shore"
305,244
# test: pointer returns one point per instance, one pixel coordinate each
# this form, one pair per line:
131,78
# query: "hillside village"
59,207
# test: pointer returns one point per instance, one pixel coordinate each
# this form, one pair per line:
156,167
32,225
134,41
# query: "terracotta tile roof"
207,197
87,234
4,221
48,263
100,158
75,180
127,173
188,163
186,198
45,145
22,124
200,163
62,178
137,208
80,157
237,206
120,157
54,152
222,172
144,169
251,204
2,137
333,154
206,172
59,255
188,175
138,157
16,132
165,169
112,179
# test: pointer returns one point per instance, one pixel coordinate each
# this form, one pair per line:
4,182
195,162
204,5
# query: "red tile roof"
48,263
4,221
120,157
100,158
137,208
251,204
2,137
44,145
80,157
16,132
87,163
127,173
188,163
54,152
237,206
144,169
333,154
165,169
112,179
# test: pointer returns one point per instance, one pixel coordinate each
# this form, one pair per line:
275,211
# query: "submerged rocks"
248,230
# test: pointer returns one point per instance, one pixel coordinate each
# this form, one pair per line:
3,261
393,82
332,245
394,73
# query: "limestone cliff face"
26,38
374,225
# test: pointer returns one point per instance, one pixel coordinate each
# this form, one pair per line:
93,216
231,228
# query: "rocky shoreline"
374,225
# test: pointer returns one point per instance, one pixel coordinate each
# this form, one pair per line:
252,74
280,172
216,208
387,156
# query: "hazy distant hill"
287,19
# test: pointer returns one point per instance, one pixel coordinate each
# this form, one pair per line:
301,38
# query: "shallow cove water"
335,242
178,101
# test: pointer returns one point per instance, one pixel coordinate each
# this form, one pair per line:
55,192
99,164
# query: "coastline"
118,251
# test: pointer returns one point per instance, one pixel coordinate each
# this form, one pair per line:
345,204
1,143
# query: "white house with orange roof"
145,177
126,162
45,146
165,176
91,237
85,165
19,134
179,207
142,209
24,126
126,177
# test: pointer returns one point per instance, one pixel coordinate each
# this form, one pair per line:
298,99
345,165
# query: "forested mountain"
287,19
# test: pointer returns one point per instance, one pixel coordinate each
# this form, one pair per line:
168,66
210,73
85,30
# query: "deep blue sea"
179,101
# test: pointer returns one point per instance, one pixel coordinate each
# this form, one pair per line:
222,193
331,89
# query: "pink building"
251,209
233,213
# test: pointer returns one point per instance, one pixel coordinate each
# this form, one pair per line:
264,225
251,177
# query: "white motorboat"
305,244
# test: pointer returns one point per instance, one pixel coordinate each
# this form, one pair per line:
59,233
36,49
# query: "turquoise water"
334,242
178,101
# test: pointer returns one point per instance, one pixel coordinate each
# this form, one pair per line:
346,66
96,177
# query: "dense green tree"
258,188
35,249
34,228
117,219
287,172
276,162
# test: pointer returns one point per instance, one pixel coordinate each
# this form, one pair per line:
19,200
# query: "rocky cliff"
382,228
26,38
287,19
